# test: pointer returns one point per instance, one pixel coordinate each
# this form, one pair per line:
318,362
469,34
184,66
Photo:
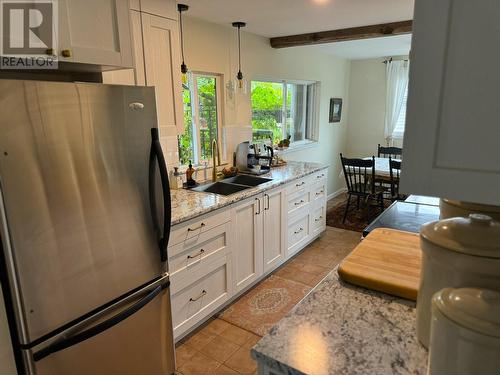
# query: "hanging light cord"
239,49
182,36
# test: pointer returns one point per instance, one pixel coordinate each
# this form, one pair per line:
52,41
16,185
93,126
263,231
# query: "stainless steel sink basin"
243,179
221,188
232,185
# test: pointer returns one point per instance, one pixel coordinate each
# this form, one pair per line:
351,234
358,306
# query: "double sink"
232,185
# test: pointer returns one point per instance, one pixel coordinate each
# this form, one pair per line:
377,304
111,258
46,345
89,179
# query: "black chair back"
359,175
394,170
389,152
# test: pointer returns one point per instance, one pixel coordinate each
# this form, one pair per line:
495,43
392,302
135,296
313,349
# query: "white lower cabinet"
298,232
247,231
214,258
274,217
192,302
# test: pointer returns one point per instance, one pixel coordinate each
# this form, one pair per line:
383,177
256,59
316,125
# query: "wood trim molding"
341,35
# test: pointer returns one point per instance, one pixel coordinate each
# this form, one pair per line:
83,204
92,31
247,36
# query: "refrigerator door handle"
156,154
99,328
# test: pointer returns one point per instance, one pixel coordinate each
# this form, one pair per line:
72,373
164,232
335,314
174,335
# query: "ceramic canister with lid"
451,208
465,332
456,252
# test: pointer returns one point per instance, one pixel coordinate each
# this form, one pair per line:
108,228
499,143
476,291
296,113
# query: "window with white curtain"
399,130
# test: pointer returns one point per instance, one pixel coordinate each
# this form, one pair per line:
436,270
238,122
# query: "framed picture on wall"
335,109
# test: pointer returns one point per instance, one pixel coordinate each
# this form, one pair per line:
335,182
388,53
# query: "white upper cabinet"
452,136
163,8
95,32
162,67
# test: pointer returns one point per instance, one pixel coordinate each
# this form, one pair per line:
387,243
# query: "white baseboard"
336,193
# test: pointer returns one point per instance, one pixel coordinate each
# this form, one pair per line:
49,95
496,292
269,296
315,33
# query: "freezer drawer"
141,343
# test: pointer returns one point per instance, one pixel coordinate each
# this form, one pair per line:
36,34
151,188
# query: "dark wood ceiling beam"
342,35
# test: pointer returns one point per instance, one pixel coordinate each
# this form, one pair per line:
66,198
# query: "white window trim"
398,133
315,115
299,146
219,83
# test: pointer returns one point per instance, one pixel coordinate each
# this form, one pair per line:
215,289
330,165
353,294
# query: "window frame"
195,119
313,132
397,133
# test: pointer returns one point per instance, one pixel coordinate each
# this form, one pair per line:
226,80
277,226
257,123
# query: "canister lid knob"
480,219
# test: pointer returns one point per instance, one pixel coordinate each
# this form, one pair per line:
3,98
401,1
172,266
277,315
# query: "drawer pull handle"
301,184
318,219
320,192
297,203
195,229
203,292
298,231
258,200
197,255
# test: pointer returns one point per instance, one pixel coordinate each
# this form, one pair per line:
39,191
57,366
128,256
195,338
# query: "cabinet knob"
66,53
50,51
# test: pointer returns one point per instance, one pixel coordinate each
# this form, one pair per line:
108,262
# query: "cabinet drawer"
190,233
194,302
318,220
189,259
319,191
298,201
320,176
297,185
298,231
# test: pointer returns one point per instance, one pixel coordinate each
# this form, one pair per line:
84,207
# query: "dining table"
382,170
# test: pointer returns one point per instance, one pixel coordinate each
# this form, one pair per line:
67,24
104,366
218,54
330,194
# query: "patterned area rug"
356,220
263,306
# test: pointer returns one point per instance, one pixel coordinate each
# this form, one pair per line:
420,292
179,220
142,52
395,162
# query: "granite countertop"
188,204
339,328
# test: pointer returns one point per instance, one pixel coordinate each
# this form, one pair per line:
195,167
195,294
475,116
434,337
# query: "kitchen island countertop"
188,204
339,328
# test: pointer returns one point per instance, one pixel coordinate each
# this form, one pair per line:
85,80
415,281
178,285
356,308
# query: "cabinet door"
134,77
451,136
247,221
274,228
163,8
162,66
95,32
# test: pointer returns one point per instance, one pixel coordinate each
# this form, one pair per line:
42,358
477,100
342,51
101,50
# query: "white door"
274,228
95,32
247,221
452,133
163,70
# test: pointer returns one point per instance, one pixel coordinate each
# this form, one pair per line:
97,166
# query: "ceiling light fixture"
239,25
184,69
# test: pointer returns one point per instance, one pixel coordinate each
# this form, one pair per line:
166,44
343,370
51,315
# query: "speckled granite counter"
342,329
188,204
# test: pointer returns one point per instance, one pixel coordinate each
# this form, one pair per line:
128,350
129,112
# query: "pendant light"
184,69
239,76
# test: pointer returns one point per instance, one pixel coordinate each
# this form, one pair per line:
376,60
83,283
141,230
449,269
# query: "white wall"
213,48
367,107
367,92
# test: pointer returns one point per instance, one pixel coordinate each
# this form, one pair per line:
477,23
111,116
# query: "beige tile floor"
220,348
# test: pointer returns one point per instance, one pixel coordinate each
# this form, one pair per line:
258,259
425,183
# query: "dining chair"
360,180
394,172
389,152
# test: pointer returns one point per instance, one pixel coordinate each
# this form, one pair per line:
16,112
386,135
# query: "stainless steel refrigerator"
85,221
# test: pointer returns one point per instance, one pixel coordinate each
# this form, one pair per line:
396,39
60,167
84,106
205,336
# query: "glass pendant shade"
239,75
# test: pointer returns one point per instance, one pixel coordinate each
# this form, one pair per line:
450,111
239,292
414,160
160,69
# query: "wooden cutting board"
387,260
